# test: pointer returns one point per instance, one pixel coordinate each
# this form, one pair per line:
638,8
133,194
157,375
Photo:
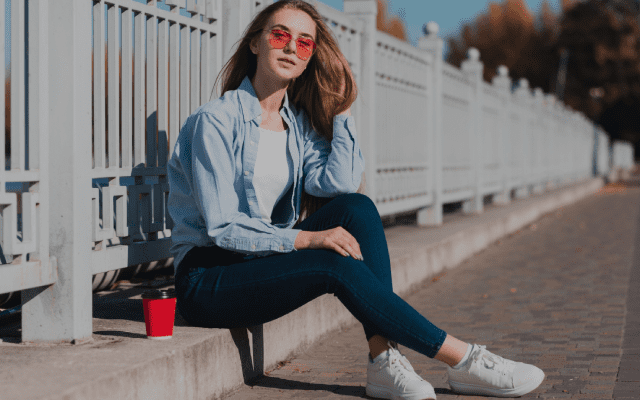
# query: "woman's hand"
336,239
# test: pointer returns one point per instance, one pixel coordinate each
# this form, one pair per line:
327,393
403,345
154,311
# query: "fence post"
550,111
66,306
473,68
538,99
502,83
34,309
367,11
597,139
525,94
433,44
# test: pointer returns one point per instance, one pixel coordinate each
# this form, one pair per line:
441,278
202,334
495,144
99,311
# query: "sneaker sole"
381,392
464,388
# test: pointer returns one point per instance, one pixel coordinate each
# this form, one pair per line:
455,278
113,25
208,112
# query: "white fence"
110,82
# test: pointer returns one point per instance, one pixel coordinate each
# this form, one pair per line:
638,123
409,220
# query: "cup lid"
159,294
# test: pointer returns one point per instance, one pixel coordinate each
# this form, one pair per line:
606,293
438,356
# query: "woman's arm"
332,168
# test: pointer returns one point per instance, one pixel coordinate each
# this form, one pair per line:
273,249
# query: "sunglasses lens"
279,39
305,48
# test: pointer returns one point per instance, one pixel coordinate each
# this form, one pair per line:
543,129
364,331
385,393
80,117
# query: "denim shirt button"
281,247
250,203
246,172
253,246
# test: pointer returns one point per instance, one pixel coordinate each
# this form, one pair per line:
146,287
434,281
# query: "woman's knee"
357,203
340,269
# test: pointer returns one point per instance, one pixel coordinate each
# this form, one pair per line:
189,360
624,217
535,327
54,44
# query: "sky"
449,14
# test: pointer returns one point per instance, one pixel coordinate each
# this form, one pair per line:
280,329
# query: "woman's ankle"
452,351
377,346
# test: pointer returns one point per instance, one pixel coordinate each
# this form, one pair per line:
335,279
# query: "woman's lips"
286,61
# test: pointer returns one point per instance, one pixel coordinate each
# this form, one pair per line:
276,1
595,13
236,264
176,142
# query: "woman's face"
298,24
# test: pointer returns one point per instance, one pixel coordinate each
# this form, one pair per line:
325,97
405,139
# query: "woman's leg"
227,292
359,216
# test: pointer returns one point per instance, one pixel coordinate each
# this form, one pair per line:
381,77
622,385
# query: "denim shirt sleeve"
334,168
213,175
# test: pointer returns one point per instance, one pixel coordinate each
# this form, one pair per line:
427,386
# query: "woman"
237,176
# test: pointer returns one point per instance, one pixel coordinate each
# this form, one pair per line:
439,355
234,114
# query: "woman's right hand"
336,239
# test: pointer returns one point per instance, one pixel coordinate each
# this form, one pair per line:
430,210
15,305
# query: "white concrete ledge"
201,363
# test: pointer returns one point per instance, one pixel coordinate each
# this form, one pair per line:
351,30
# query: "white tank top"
273,173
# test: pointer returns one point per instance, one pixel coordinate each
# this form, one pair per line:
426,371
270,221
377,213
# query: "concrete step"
199,363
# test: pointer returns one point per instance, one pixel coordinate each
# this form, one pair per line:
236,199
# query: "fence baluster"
195,69
205,67
163,91
174,85
185,108
114,88
127,86
139,112
4,92
99,78
152,106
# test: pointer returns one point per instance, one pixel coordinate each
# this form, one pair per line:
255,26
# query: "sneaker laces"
402,359
401,365
393,347
492,361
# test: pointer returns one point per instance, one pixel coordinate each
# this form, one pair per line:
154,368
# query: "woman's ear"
253,47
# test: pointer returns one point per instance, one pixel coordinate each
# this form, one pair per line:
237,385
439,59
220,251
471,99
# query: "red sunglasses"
304,46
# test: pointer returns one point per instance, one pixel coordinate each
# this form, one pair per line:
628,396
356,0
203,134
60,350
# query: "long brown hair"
317,89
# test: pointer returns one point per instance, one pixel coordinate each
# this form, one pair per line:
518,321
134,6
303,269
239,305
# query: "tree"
508,34
393,26
603,39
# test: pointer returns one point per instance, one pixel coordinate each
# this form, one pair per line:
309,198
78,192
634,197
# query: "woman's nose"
291,46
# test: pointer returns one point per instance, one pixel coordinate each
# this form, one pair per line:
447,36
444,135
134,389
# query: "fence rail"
85,188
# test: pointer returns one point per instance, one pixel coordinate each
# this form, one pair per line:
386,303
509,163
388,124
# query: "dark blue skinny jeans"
217,288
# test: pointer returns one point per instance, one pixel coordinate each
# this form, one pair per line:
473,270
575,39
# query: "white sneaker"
488,374
392,377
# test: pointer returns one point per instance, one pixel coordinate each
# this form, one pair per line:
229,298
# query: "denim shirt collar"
251,108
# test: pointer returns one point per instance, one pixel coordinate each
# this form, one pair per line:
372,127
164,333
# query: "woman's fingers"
353,251
342,242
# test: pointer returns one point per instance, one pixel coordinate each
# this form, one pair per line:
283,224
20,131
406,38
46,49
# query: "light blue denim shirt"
212,200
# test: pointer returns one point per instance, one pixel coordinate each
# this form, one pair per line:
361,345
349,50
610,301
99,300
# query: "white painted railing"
431,134
24,182
402,157
131,224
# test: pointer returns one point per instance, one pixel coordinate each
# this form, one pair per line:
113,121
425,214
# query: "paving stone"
627,389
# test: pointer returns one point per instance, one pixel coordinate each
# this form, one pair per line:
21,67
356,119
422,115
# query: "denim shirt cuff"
289,239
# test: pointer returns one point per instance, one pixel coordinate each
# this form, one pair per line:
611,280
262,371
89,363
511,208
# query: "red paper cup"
159,313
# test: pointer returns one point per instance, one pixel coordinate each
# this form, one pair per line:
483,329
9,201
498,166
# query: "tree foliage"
603,39
508,34
391,25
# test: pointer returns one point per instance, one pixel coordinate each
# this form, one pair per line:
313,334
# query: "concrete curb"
201,363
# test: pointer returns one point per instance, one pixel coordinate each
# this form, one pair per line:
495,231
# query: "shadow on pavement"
346,390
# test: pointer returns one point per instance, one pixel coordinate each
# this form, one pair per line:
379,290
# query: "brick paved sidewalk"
553,294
